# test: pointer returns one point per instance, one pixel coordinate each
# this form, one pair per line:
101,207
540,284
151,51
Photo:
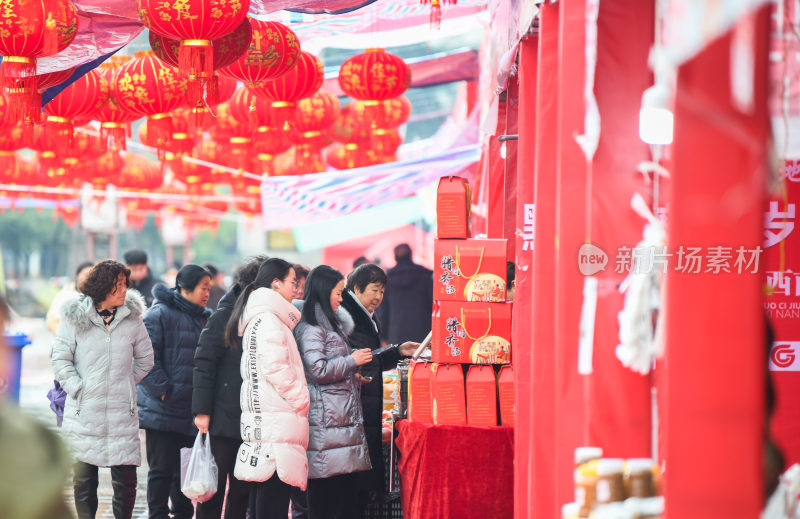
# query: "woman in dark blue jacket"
174,323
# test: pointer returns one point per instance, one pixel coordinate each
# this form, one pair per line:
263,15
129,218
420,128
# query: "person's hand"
163,397
408,348
201,421
362,356
361,379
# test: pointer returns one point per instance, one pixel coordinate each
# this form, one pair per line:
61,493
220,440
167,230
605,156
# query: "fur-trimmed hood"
346,323
80,314
171,297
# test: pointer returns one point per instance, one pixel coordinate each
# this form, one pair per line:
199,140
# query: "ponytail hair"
269,271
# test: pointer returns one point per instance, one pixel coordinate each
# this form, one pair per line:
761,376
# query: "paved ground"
36,381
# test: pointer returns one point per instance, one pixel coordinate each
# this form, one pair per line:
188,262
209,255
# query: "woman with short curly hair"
102,350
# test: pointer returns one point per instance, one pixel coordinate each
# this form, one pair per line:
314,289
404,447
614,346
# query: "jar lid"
652,505
584,454
639,465
570,510
609,466
611,511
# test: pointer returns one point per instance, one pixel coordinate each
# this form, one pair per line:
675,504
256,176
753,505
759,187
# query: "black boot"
84,487
123,479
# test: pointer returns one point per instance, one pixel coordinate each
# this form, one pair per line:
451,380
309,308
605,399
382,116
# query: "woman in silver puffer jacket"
102,350
337,446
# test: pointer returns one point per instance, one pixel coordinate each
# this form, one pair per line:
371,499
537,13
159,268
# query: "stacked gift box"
470,377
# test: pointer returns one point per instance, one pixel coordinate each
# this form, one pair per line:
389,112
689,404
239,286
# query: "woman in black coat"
174,323
364,293
215,399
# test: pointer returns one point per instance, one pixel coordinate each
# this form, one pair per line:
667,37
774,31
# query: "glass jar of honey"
610,486
639,477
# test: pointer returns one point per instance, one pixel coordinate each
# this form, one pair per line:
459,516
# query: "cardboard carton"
419,392
505,391
471,333
453,203
470,270
449,401
481,396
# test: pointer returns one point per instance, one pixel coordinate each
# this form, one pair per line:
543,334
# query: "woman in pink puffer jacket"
274,395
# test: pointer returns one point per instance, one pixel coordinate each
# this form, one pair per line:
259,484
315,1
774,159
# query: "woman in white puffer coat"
274,395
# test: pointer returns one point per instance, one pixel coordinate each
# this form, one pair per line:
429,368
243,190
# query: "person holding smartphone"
337,447
363,295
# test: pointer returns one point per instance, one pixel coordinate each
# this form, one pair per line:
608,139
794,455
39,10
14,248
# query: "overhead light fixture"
656,121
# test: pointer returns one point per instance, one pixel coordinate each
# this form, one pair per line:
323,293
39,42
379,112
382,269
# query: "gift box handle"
464,325
477,269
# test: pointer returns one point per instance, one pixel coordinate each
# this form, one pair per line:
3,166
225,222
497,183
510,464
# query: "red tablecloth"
453,471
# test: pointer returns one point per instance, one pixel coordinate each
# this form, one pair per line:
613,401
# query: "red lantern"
147,86
346,156
196,23
300,82
348,129
114,120
374,75
390,113
249,109
79,100
385,142
273,51
31,29
139,173
436,10
225,50
318,112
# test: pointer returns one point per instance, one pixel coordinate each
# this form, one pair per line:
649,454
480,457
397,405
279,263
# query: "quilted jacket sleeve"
63,359
274,342
142,353
319,368
156,383
207,357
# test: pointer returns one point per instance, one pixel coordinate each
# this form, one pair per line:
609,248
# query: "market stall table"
456,471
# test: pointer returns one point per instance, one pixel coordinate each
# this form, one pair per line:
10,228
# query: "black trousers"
224,451
333,498
299,504
272,498
164,476
84,486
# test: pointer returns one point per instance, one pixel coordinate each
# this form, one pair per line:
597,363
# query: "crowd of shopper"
281,378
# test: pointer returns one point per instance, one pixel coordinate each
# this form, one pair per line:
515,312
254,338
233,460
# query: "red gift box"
481,396
449,401
505,392
470,270
419,392
471,333
453,202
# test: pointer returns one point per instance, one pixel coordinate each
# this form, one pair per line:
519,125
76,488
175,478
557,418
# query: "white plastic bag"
199,475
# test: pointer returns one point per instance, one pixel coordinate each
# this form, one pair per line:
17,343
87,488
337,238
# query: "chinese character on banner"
528,227
778,225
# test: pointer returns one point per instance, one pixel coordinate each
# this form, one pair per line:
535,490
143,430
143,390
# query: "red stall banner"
781,268
469,270
471,333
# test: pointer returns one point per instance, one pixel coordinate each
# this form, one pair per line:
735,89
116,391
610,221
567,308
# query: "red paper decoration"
114,119
300,82
374,75
273,51
390,113
147,86
79,100
249,109
196,23
31,29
